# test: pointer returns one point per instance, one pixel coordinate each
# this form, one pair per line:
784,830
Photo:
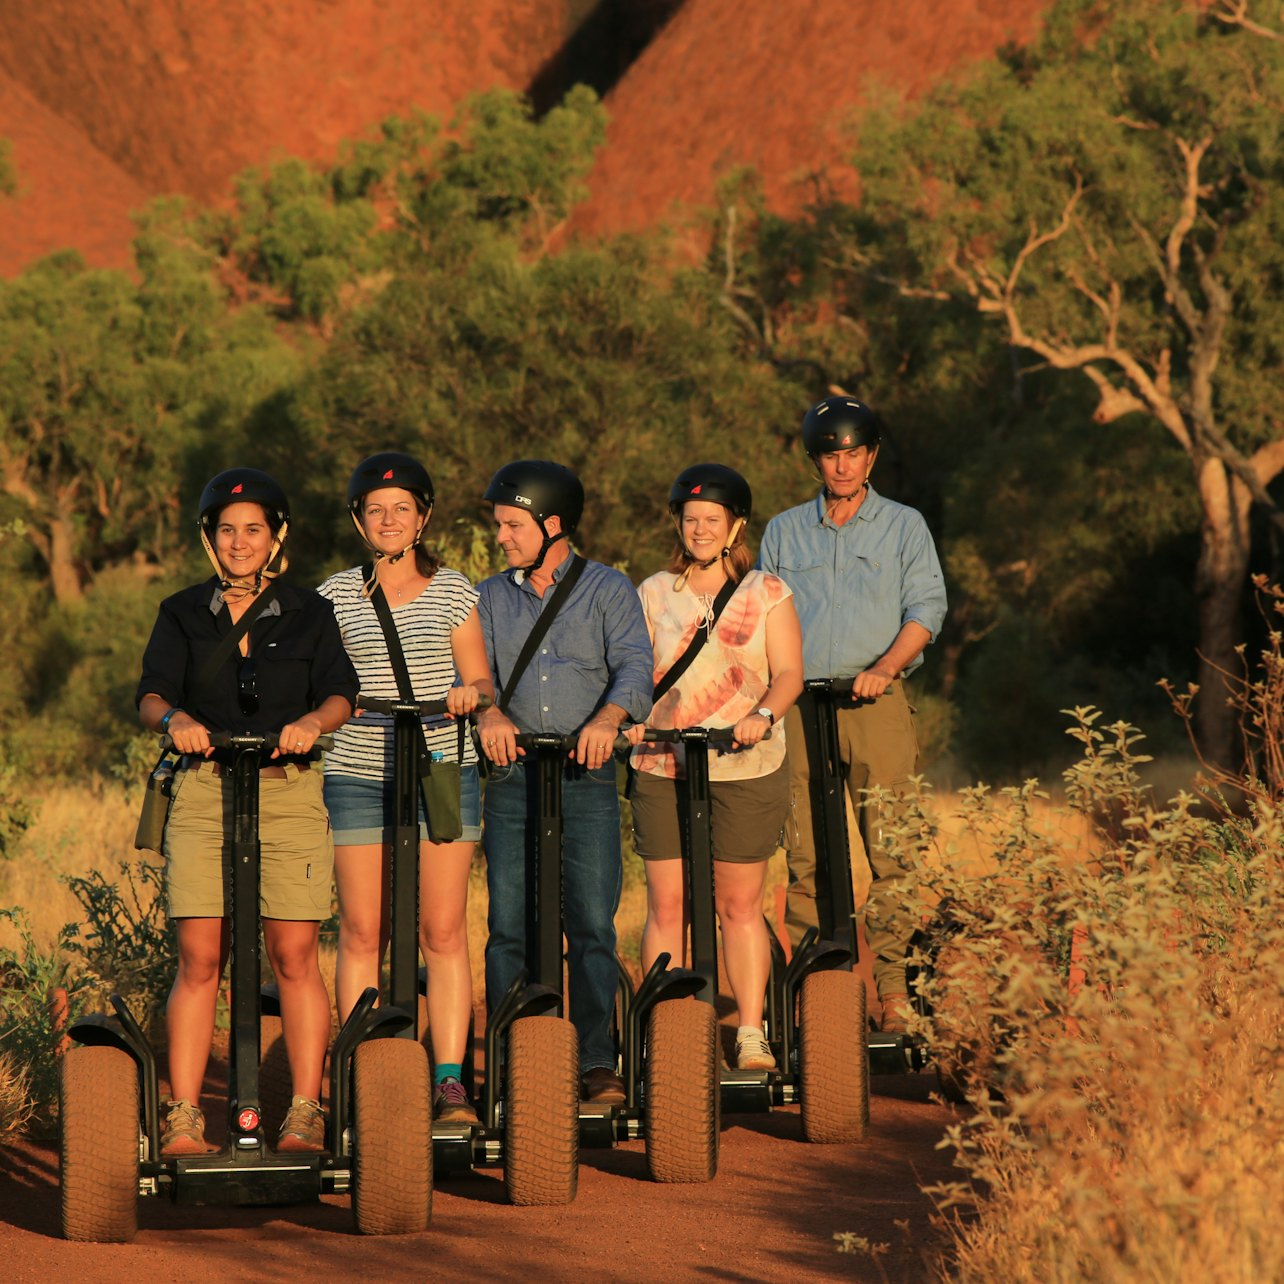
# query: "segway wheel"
833,1058
542,1112
98,1102
392,1137
683,1092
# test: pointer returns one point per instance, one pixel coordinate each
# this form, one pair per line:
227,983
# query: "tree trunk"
64,573
1220,577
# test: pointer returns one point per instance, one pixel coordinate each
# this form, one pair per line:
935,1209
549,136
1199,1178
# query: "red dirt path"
770,1215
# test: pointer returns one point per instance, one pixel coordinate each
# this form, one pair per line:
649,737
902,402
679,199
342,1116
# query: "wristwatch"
764,712
164,722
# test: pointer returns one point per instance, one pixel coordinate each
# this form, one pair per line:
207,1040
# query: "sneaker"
304,1127
896,1014
450,1103
601,1086
184,1132
753,1051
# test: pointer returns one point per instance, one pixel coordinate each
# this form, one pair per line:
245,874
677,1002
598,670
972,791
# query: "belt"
189,762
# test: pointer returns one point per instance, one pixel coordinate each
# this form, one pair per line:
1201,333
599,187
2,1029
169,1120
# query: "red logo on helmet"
388,475
236,490
695,490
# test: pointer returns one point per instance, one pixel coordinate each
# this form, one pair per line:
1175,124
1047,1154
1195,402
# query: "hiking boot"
304,1128
753,1051
450,1103
184,1131
601,1086
896,1014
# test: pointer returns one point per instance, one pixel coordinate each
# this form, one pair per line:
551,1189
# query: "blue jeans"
591,879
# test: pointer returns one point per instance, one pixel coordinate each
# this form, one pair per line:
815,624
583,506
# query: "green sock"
446,1070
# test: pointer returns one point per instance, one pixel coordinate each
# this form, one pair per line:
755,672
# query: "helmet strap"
380,556
234,590
524,572
736,527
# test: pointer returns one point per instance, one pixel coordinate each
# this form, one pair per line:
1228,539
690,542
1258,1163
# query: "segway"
528,1118
815,1005
379,1134
667,1048
835,904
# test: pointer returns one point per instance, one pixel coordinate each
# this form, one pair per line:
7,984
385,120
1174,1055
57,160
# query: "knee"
292,964
443,934
666,910
360,934
199,971
736,911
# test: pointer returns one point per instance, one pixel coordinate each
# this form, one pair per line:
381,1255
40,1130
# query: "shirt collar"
866,512
517,576
217,602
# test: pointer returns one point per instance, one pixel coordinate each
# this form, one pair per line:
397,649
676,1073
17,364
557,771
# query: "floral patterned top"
725,682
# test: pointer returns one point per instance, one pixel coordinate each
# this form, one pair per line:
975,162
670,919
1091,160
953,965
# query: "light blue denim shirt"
597,652
855,585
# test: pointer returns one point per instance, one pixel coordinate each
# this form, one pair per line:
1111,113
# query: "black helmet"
840,423
542,488
243,485
389,468
714,482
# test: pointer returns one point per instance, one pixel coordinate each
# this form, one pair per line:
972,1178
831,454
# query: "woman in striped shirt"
434,609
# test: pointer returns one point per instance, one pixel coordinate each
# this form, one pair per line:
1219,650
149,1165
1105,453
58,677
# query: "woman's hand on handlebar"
189,736
749,730
498,737
298,737
461,701
634,732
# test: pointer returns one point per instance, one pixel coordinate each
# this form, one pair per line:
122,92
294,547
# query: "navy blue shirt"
296,654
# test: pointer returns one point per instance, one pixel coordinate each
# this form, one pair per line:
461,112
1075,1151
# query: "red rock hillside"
181,96
770,83
109,102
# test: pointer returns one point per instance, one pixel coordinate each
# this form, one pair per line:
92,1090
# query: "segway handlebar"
424,708
551,740
249,740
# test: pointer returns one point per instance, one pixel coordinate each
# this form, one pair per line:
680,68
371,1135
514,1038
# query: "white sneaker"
752,1050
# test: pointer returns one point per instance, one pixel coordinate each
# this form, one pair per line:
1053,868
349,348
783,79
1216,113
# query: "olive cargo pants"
877,746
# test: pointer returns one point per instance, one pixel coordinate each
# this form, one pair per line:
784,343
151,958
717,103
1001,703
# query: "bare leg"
443,937
193,998
746,946
305,1005
665,930
360,873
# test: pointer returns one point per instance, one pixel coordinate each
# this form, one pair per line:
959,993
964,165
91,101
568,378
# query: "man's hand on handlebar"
498,737
597,741
871,684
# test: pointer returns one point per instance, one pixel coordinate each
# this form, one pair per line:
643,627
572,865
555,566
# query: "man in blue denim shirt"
592,671
870,595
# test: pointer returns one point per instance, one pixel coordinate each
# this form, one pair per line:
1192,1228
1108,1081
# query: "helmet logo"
387,476
236,490
695,490
522,499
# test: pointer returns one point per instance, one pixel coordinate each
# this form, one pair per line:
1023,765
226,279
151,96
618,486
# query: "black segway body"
815,1010
835,902
111,1134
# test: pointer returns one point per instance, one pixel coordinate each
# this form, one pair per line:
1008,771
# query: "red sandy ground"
770,1214
111,102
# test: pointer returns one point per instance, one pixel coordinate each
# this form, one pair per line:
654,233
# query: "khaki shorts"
747,816
294,835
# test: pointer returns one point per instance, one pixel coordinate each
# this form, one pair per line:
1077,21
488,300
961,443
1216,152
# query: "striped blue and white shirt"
363,746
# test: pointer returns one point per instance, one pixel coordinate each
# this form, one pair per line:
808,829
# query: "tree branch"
1234,13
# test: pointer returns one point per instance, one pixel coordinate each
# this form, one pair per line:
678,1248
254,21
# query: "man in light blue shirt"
591,671
868,587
